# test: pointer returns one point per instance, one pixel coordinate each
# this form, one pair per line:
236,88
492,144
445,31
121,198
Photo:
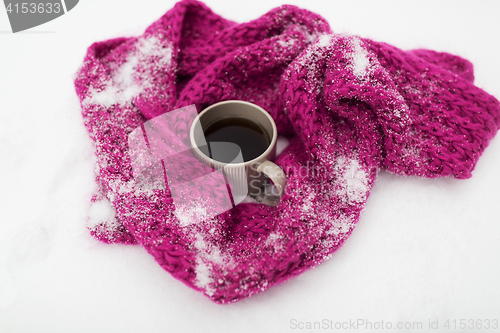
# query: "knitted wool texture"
348,105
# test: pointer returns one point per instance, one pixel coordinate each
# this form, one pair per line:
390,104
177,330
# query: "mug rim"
240,164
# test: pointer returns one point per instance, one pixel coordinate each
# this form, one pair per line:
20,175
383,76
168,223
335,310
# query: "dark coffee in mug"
237,139
246,135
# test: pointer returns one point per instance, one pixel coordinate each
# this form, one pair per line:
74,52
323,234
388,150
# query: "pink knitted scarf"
348,105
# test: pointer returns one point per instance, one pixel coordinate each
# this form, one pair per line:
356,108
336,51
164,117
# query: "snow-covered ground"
425,250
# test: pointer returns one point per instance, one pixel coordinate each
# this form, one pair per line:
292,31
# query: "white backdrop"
424,249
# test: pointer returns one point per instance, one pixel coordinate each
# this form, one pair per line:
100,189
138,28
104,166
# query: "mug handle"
278,177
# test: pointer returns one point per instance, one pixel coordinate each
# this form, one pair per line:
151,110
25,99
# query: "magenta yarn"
350,106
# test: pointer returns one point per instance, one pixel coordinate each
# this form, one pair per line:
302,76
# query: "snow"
286,43
424,249
207,256
352,178
324,40
101,212
307,206
203,276
360,60
123,86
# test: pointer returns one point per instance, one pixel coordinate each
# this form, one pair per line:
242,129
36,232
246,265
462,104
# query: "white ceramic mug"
244,177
